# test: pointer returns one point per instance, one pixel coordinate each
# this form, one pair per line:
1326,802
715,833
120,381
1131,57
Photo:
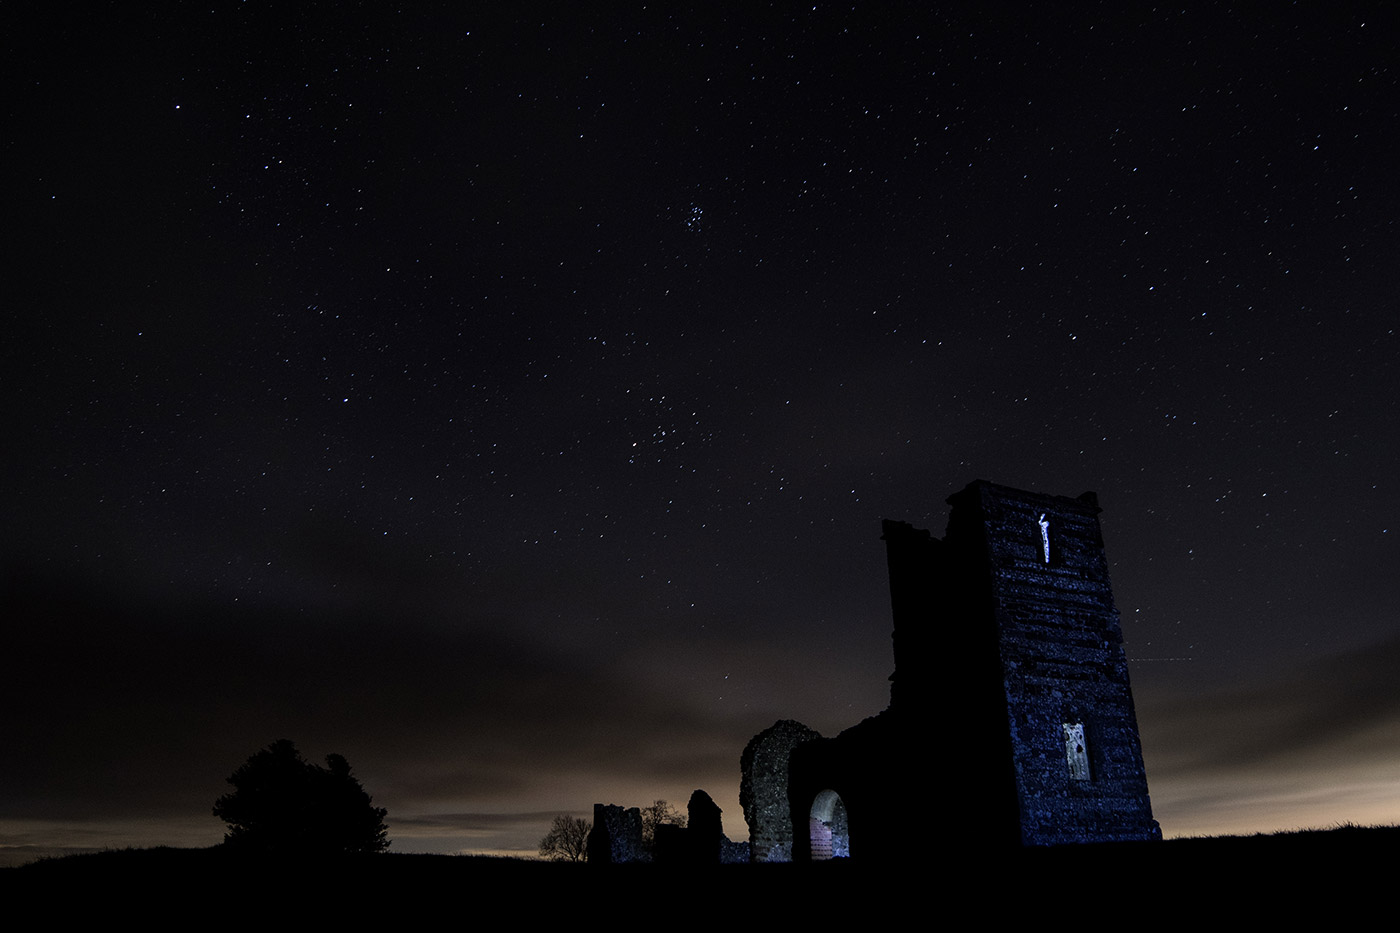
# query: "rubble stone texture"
616,835
1064,673
763,788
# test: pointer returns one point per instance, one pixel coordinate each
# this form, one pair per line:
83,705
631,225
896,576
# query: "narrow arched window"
1076,751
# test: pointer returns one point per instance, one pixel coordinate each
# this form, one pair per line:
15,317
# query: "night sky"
509,400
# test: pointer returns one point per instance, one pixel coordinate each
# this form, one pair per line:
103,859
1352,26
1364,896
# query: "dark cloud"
164,702
1332,708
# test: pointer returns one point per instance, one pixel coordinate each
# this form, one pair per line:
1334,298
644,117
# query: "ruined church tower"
1011,718
1018,592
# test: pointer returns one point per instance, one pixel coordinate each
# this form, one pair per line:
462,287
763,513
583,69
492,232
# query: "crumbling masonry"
1011,720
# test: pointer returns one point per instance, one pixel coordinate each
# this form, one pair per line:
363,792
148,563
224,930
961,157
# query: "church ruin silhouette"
1011,719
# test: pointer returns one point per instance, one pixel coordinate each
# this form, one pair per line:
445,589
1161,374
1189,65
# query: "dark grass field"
1344,873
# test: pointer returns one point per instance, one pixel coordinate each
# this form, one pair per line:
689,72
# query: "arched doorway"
830,832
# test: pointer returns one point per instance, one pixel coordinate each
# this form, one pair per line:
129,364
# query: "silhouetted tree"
567,839
283,804
660,812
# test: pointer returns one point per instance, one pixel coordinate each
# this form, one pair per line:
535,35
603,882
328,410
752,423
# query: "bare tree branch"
567,839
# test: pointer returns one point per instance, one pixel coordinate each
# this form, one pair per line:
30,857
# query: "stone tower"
1031,572
1011,720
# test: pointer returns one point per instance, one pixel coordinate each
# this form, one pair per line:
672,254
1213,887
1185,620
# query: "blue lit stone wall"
1062,663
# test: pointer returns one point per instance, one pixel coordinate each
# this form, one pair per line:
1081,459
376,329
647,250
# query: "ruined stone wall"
616,836
763,788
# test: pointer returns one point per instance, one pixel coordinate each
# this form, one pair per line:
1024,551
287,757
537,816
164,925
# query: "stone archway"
830,831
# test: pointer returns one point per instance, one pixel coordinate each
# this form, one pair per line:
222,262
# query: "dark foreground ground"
1341,875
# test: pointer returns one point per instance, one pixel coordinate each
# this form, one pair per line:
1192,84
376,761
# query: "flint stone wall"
763,788
616,835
